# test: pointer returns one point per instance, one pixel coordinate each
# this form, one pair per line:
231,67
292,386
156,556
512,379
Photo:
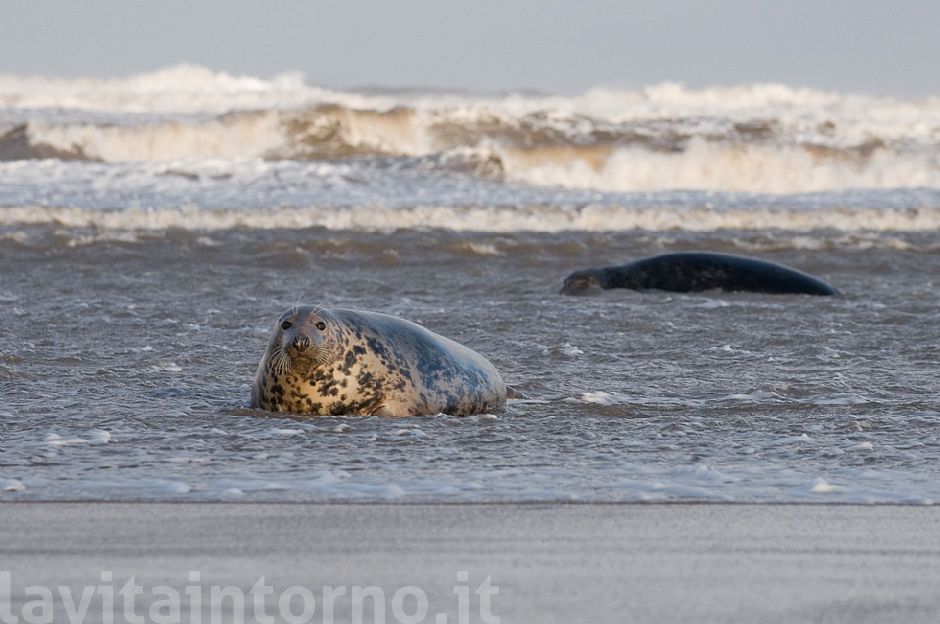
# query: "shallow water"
152,229
125,360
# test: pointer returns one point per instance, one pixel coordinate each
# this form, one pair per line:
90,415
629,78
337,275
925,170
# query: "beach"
664,456
549,562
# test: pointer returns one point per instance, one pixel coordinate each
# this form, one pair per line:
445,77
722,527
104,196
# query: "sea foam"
763,138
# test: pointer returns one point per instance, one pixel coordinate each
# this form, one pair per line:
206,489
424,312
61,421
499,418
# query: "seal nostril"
301,343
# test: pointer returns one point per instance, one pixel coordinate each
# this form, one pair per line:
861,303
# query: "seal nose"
301,343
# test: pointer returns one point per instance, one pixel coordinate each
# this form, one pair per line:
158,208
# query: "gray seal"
697,271
322,361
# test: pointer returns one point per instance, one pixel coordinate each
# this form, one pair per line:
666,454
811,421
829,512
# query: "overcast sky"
872,46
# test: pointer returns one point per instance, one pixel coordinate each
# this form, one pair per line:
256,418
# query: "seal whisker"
284,363
322,356
272,358
280,362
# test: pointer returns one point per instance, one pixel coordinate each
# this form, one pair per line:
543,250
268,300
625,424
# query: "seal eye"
286,325
321,325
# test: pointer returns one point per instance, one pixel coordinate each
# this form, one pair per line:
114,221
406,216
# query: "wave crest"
594,217
758,138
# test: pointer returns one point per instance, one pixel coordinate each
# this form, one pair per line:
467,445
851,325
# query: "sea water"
152,228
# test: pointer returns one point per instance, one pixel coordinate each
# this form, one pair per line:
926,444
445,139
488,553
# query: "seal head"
302,341
586,282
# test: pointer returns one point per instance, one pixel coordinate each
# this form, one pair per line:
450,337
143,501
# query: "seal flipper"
513,393
391,410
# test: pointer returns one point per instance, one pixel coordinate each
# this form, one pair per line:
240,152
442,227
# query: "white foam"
169,367
481,249
390,492
55,440
192,89
764,138
275,431
571,350
600,397
180,88
238,137
764,167
729,167
11,485
177,487
326,478
597,218
821,486
100,436
414,432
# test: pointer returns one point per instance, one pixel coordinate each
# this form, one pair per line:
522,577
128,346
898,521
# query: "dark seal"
322,361
695,272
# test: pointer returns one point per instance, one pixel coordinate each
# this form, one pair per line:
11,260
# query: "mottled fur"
370,363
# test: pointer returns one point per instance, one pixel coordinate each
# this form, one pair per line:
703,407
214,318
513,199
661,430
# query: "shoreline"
453,503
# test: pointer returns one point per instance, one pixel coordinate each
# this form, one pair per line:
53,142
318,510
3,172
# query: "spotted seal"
322,361
697,271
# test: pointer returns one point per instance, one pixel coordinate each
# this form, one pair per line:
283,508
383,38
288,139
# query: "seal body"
322,361
698,271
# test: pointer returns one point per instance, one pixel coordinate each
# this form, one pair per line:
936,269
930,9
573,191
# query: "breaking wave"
753,138
598,218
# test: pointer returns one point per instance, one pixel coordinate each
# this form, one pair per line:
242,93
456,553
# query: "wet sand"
550,563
